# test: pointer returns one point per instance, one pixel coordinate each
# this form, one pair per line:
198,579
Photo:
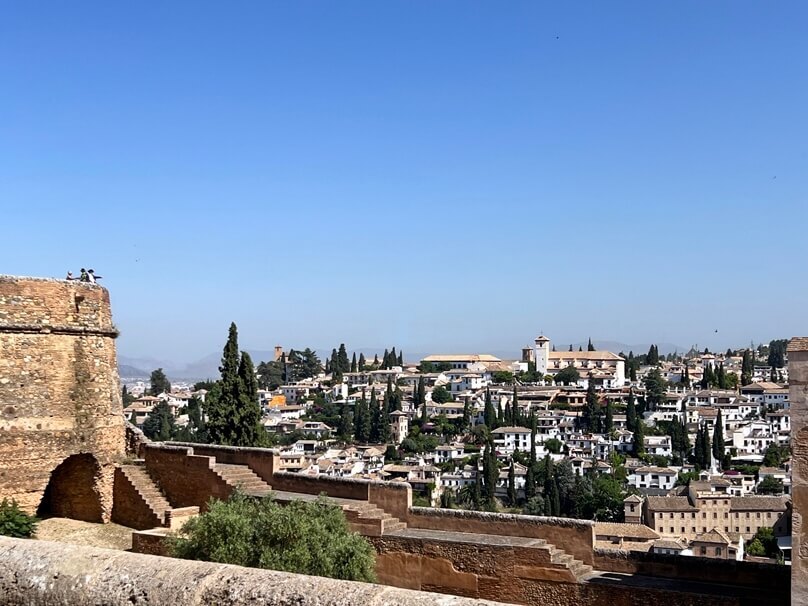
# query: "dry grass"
63,530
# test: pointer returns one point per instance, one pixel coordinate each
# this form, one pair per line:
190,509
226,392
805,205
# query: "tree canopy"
301,537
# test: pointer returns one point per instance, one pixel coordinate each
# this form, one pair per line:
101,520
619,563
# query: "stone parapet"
42,572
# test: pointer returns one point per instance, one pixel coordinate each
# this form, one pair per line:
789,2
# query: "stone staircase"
148,490
579,569
368,519
243,478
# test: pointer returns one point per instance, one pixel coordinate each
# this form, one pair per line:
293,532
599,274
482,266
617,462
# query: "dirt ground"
63,530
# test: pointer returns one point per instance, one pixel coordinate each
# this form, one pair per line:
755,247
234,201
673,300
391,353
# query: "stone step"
241,476
148,490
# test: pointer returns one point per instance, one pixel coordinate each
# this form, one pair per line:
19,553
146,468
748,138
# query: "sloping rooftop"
461,358
616,529
670,504
798,344
584,355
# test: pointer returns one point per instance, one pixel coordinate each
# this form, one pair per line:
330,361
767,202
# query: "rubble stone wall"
798,399
576,537
59,391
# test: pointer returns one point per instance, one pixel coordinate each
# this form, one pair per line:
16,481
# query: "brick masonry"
59,395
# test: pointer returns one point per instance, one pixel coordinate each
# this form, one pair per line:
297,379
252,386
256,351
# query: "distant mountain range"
208,366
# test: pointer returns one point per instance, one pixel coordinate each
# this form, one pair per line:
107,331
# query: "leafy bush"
14,522
302,537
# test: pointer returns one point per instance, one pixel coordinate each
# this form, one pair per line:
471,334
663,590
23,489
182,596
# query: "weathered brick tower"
61,423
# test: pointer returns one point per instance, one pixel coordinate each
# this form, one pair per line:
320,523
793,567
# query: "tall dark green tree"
353,363
686,376
490,474
159,423
489,415
631,411
747,368
400,359
655,387
591,417
159,383
234,415
589,346
637,441
512,485
375,418
466,422
515,419
608,424
362,420
718,439
345,429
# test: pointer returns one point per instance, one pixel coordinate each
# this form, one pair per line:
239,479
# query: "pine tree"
362,362
353,362
512,485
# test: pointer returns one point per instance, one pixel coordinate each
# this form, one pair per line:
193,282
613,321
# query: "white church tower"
541,354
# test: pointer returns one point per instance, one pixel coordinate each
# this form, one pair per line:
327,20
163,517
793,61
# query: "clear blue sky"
433,175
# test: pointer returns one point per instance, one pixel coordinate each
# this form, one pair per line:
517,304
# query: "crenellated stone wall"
61,423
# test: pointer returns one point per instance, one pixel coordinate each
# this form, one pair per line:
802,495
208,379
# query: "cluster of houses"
712,516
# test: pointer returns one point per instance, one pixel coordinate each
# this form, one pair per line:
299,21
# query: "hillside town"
682,454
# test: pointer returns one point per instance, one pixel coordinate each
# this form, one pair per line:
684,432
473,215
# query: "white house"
663,478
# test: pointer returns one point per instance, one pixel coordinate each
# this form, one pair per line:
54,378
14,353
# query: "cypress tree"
466,414
718,438
385,358
631,411
589,346
234,415
489,416
353,363
491,473
376,361
686,376
384,420
342,359
345,430
362,362
362,421
609,417
515,412
375,418
638,444
401,359
570,346
512,485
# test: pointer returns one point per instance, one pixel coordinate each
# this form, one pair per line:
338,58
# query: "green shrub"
15,522
302,537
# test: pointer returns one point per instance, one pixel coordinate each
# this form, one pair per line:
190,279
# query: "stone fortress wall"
798,398
61,424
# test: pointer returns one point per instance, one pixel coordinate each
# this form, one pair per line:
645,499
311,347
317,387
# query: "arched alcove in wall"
72,490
